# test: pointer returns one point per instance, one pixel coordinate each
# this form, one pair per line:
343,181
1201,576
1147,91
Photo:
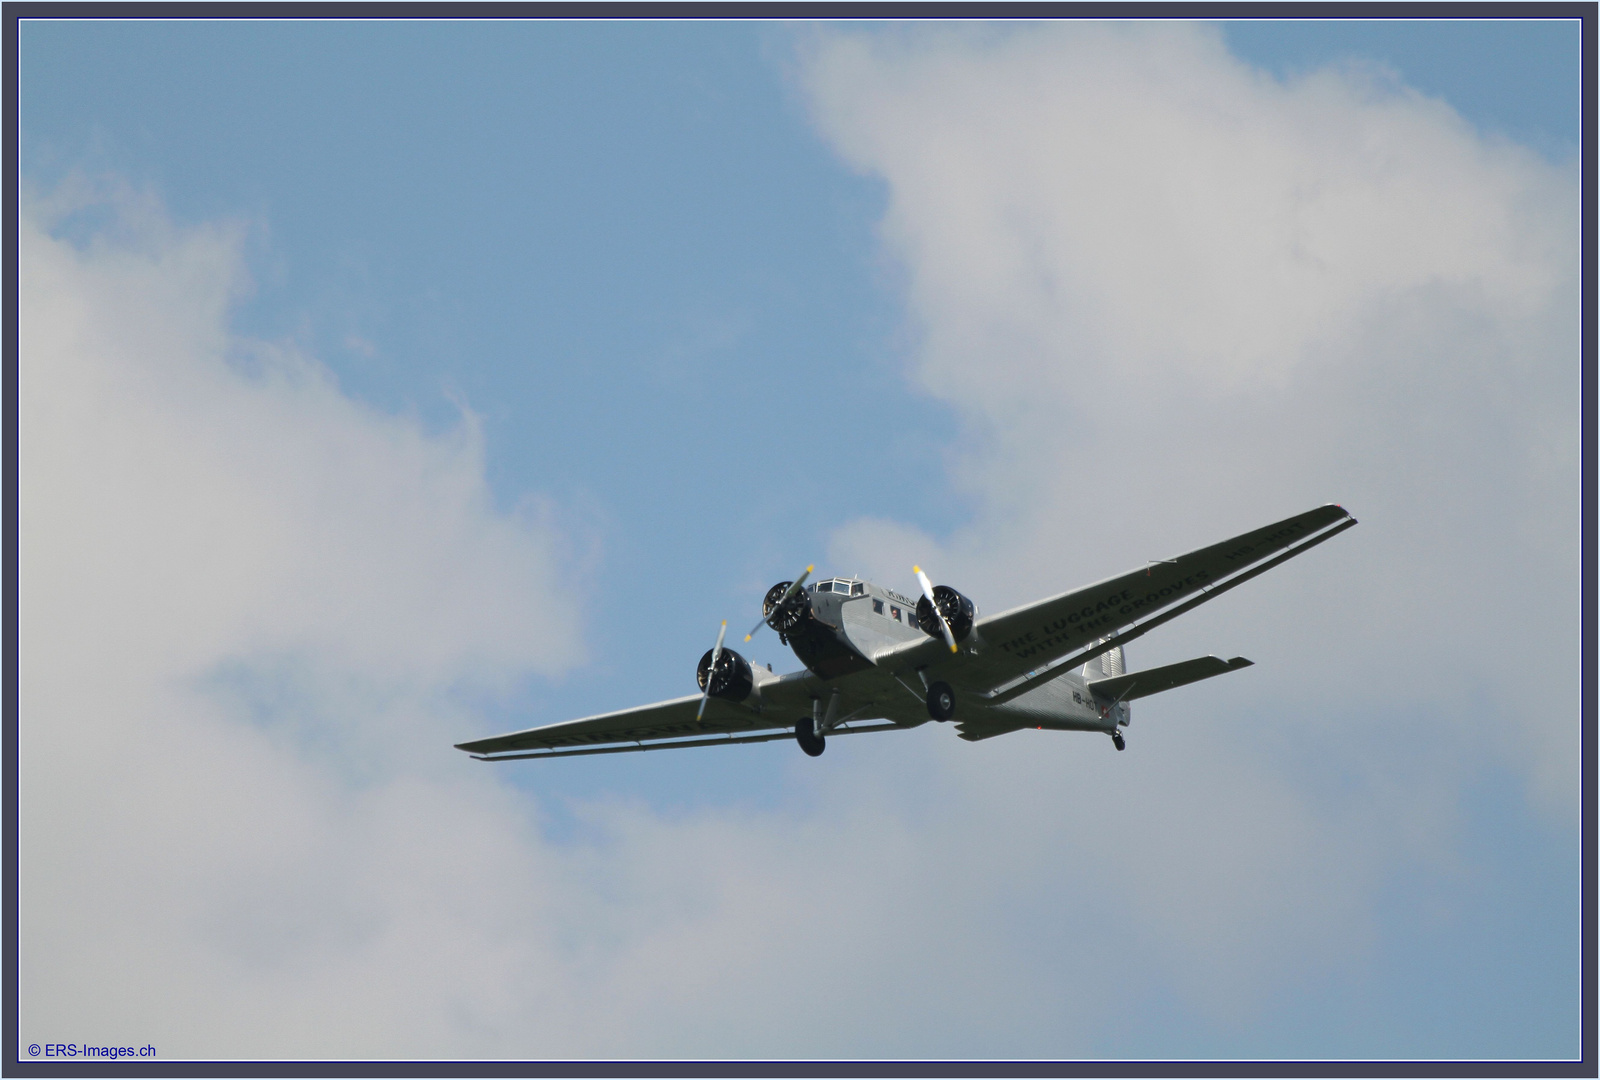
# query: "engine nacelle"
956,609
733,679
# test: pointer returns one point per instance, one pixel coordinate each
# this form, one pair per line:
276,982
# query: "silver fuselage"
857,620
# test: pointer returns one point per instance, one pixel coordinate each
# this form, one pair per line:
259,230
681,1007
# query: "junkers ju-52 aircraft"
879,661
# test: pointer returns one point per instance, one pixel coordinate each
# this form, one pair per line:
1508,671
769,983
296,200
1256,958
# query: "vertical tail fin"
1107,665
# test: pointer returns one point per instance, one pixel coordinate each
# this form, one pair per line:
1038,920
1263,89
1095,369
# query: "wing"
664,719
673,724
1025,646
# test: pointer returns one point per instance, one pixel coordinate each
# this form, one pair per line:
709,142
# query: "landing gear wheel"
810,742
941,701
1117,740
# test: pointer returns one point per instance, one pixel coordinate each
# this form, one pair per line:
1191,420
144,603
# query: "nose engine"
732,679
785,618
956,609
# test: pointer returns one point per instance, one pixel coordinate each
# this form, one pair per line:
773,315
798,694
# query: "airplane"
876,660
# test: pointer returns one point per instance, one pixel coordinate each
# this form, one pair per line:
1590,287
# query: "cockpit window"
824,586
858,589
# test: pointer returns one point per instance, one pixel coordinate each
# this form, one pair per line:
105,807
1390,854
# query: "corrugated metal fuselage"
845,627
821,641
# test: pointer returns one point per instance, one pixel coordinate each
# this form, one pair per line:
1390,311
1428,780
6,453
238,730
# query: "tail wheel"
1117,740
805,734
941,701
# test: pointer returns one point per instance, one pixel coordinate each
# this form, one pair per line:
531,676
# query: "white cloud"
246,601
1172,298
1177,298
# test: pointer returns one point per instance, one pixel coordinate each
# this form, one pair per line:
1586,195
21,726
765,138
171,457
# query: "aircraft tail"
1109,665
1122,688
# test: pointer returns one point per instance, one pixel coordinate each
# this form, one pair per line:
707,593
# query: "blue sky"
717,317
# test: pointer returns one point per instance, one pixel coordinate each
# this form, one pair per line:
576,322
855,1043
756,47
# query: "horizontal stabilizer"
976,730
1140,684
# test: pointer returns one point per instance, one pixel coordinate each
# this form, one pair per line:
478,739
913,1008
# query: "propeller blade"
927,590
784,599
711,672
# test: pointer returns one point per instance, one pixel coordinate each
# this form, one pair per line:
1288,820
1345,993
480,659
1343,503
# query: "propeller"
711,673
782,600
927,590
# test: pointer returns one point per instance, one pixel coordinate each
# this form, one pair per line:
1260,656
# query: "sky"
386,385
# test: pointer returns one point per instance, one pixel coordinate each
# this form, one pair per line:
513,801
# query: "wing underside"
664,720
668,725
847,728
